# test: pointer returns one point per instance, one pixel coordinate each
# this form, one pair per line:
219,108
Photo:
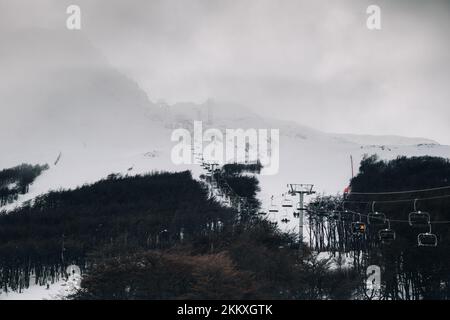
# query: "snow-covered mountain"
87,120
306,155
78,106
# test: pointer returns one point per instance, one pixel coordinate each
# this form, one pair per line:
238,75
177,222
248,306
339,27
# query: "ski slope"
87,120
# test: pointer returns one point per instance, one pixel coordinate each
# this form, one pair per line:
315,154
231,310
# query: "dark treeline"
408,270
16,181
61,228
237,184
237,168
246,186
158,236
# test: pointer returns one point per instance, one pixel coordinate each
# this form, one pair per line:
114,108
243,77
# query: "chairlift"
297,210
376,218
205,165
287,203
272,207
358,227
418,218
427,239
386,235
285,218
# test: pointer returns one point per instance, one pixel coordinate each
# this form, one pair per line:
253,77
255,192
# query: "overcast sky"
312,61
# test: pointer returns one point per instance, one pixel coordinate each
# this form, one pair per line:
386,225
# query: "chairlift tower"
301,190
213,166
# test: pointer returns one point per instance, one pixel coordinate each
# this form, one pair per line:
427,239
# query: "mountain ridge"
100,122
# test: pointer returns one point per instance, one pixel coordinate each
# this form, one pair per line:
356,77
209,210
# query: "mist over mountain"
59,90
59,93
384,139
75,106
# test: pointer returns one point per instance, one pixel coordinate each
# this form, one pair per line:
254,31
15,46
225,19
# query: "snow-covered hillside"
306,155
87,120
101,122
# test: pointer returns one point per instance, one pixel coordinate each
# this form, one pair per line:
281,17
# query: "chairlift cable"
401,192
399,201
392,220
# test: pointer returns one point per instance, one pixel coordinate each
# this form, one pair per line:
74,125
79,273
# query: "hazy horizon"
315,63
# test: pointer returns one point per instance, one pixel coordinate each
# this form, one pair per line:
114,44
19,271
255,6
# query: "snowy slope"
127,133
101,122
383,140
306,155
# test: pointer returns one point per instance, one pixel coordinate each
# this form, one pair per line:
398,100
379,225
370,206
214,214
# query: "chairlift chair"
427,239
297,210
419,219
287,203
376,218
358,227
386,235
272,208
285,218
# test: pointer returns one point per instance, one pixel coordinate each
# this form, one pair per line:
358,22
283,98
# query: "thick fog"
315,62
